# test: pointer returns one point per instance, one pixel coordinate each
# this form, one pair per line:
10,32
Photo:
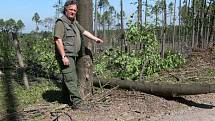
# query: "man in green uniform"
68,43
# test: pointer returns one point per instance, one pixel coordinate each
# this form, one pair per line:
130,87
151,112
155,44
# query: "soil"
115,104
122,105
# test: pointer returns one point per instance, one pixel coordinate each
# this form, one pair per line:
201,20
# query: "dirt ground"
122,105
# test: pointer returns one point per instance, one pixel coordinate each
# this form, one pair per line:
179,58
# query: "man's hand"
99,40
92,37
65,61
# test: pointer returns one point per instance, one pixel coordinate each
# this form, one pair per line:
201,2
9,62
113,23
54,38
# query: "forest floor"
121,105
115,104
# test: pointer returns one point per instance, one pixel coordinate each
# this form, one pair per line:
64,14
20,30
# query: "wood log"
162,88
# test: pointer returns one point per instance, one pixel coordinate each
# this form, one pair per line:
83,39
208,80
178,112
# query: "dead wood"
162,88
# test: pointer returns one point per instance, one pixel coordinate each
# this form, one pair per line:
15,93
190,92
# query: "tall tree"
171,11
103,5
20,59
10,26
179,27
164,28
156,9
20,25
174,26
85,63
36,19
146,11
139,9
48,23
193,24
211,23
202,29
122,24
95,23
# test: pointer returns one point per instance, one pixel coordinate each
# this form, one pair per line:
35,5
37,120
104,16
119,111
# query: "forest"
163,48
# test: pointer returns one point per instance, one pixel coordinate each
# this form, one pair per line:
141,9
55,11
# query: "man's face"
71,11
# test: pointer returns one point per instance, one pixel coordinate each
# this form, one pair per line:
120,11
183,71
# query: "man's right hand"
65,61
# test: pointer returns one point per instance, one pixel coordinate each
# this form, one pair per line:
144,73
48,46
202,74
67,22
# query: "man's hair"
69,2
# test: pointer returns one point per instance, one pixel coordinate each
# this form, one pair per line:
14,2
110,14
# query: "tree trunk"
202,25
208,27
85,12
193,24
164,29
179,28
212,26
161,89
174,26
186,32
146,10
122,25
20,59
95,24
139,17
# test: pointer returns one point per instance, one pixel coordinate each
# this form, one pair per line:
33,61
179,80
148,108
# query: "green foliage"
25,98
114,63
10,25
172,60
130,63
39,55
36,19
37,49
34,94
102,65
7,51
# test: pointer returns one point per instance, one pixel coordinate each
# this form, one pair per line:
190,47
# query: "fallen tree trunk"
160,89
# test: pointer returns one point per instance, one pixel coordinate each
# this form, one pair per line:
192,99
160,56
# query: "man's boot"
78,104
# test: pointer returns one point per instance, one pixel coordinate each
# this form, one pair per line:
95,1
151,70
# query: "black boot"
78,104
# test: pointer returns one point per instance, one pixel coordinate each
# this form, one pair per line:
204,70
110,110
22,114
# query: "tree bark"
174,26
85,18
85,76
121,25
160,89
20,59
179,28
139,17
146,10
164,29
193,24
95,25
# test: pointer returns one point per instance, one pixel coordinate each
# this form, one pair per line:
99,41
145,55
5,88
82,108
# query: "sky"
25,9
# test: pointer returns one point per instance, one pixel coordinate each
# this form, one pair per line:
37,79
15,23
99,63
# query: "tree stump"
84,72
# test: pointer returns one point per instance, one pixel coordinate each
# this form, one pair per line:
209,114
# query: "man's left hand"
99,41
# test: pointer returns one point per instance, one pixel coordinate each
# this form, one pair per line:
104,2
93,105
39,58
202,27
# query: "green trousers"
70,84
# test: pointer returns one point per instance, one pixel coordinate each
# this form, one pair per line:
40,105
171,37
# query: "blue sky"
25,9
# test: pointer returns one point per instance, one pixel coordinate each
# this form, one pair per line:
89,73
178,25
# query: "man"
68,42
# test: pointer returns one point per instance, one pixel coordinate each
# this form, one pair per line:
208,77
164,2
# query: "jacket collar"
65,19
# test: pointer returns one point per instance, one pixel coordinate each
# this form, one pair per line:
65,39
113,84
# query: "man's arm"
92,37
88,34
60,48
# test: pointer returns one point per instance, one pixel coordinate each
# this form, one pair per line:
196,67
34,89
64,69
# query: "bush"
114,63
39,55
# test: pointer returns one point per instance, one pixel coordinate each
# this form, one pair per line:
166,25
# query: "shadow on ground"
55,96
189,103
9,98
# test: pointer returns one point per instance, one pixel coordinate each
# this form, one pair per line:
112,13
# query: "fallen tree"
160,89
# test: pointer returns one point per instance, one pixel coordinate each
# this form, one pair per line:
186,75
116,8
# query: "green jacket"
70,38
